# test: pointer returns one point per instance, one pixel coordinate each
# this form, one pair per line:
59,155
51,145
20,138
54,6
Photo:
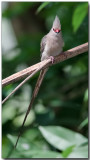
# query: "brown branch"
65,55
24,81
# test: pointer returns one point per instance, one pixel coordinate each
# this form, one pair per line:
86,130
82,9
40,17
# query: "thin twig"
25,80
65,55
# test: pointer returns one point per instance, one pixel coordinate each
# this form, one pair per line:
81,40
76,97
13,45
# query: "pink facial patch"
56,30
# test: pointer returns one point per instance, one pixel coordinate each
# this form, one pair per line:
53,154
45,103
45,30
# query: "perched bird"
52,43
51,46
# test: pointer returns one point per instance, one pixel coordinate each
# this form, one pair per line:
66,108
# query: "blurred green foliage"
63,96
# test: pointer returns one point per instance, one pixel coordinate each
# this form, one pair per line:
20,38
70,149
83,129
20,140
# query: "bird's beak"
58,30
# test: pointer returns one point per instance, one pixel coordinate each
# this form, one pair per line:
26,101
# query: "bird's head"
56,25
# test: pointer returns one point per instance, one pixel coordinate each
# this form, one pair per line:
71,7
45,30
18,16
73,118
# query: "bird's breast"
53,47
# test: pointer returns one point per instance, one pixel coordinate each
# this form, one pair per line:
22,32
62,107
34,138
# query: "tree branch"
25,80
63,56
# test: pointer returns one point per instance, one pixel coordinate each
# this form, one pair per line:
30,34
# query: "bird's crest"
56,23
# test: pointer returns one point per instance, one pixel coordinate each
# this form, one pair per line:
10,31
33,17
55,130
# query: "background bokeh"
62,102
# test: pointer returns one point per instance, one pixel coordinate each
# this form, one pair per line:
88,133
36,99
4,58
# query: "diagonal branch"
65,55
24,81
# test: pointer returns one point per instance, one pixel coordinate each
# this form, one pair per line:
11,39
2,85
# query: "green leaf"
67,151
6,147
19,119
79,152
79,15
86,96
84,123
36,154
15,154
43,5
46,154
62,138
32,134
8,112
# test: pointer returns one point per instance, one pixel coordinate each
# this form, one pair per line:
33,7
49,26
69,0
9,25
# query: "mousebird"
51,46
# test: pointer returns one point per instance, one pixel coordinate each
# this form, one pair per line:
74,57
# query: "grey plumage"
52,43
43,43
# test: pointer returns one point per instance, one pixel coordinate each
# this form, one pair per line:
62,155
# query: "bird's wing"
42,44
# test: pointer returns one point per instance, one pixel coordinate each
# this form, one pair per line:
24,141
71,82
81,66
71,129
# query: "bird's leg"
52,59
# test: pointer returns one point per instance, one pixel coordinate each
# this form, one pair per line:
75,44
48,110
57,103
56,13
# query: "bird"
51,45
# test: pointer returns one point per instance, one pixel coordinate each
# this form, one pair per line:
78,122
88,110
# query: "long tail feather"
37,87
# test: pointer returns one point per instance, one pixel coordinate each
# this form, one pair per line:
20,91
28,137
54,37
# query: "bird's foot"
52,59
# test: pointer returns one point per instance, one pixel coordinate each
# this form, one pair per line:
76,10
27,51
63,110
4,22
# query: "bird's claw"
52,59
